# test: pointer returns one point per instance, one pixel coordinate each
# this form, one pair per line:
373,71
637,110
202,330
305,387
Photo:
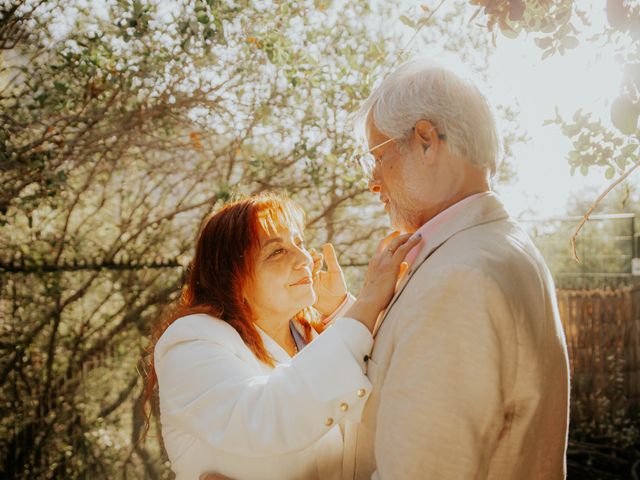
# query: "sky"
587,78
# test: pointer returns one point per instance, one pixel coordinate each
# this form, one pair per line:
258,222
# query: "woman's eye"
277,252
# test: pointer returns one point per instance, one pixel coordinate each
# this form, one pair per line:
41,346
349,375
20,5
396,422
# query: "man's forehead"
374,135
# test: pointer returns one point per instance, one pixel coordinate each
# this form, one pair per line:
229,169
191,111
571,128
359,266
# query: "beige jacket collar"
485,209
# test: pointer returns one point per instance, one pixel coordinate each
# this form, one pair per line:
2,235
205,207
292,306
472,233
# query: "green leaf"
572,130
543,42
624,115
509,33
609,173
629,149
584,170
203,18
407,21
61,87
570,42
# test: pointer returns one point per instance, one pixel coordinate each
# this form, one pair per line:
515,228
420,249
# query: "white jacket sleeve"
209,391
346,304
440,411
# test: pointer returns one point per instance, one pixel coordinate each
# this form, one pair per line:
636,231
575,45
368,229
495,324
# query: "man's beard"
403,218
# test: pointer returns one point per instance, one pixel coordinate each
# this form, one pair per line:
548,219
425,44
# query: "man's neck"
437,209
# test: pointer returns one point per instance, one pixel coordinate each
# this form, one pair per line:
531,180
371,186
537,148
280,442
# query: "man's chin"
401,225
397,223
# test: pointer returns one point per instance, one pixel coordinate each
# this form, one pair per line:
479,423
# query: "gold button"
361,392
344,406
328,422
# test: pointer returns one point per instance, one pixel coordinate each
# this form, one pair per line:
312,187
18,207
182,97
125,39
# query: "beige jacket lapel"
485,209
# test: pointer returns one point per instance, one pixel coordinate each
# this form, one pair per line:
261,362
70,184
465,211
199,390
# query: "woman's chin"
308,299
313,297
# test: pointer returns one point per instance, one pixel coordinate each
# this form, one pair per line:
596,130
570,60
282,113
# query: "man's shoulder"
493,245
499,253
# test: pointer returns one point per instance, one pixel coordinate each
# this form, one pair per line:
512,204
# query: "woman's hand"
382,276
329,284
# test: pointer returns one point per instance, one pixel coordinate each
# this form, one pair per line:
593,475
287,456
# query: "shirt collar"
435,224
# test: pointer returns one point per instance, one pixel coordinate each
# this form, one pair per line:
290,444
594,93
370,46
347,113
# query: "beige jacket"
469,368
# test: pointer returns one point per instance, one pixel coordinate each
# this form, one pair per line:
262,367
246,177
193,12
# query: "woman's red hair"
226,247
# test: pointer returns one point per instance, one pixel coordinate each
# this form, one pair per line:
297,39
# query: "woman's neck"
280,332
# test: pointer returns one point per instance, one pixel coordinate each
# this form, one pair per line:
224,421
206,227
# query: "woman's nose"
304,258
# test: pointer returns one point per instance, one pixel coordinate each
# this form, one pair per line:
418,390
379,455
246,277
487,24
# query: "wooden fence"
603,337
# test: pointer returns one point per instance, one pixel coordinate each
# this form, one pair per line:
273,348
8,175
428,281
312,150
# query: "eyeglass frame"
368,169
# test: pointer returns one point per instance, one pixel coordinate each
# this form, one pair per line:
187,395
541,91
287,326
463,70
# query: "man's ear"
426,133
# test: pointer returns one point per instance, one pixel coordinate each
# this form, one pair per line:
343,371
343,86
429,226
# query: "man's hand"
329,284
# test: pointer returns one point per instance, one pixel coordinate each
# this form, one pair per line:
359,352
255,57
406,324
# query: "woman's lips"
303,281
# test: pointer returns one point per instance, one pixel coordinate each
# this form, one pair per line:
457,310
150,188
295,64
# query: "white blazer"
469,369
224,411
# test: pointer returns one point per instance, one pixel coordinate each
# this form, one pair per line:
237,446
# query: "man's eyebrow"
271,240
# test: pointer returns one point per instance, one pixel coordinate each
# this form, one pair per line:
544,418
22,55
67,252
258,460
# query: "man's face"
414,182
395,178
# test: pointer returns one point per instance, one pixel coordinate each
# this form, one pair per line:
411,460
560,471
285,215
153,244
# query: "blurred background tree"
124,123
607,243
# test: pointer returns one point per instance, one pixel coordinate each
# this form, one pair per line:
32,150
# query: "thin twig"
422,23
594,205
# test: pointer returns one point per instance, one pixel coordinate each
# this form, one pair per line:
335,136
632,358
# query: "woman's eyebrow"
272,240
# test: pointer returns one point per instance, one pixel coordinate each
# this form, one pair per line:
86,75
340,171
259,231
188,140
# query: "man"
469,368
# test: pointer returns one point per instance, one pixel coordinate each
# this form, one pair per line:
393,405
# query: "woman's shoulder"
195,327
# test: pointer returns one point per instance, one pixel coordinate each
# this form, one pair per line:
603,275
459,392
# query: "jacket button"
344,406
362,392
328,422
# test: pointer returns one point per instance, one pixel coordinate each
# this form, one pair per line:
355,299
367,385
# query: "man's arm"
441,407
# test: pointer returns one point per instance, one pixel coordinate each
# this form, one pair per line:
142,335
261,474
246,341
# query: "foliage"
606,446
124,124
606,245
121,130
559,25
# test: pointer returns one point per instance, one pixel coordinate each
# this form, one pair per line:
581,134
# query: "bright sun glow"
586,78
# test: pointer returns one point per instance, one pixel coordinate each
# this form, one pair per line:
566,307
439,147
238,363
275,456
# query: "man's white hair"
422,89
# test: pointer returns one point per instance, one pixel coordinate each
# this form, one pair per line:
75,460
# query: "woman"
248,387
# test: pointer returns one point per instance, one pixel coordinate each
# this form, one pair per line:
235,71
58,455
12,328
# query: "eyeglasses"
367,161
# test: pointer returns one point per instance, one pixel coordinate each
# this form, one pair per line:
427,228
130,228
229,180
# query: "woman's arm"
212,393
342,309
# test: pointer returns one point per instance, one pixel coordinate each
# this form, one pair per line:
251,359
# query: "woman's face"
282,283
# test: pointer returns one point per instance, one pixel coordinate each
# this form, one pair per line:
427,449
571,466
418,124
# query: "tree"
119,135
558,25
606,245
121,130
